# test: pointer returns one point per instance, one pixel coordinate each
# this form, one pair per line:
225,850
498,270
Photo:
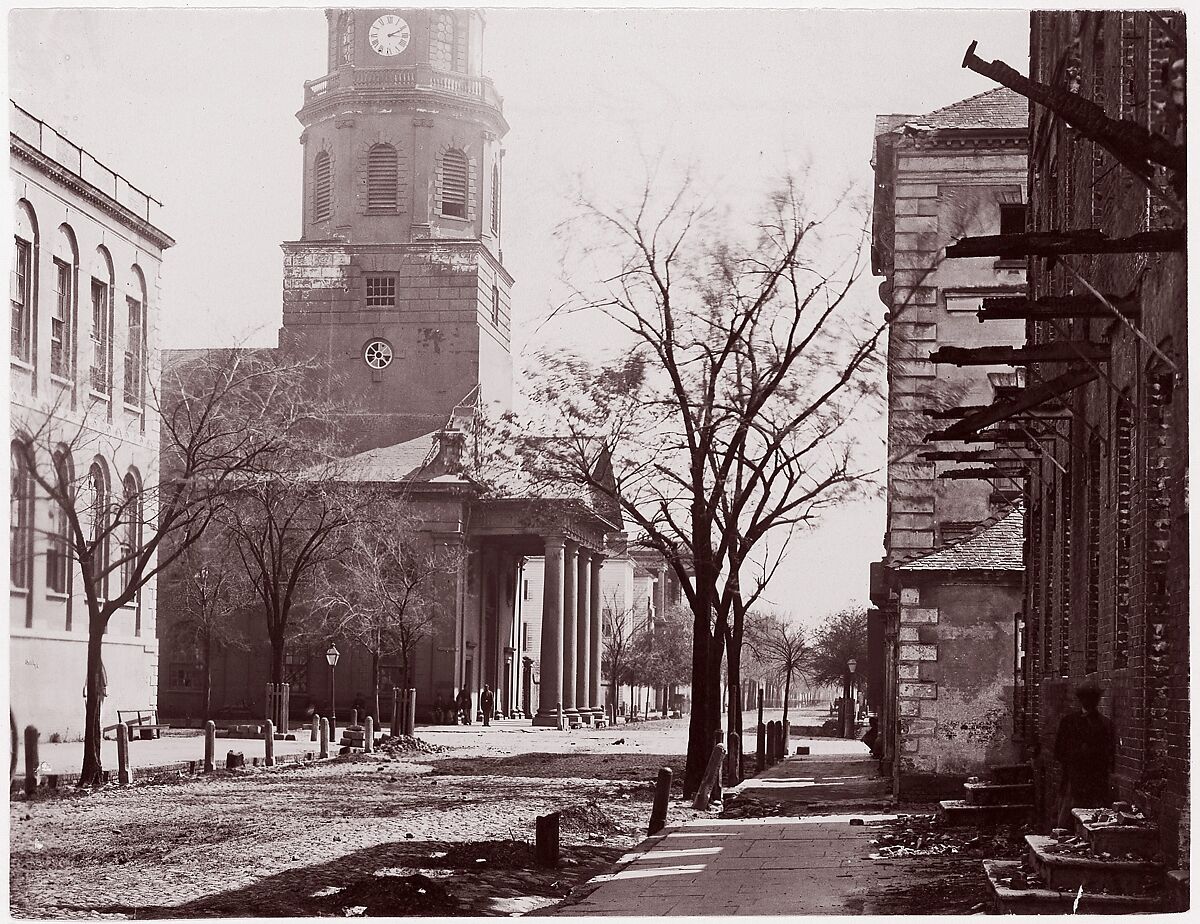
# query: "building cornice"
85,190
429,245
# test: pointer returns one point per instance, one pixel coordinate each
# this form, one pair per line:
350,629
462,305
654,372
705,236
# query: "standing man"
487,702
1084,747
463,705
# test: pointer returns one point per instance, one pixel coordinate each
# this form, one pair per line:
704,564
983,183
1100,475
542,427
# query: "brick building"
943,610
83,363
1106,592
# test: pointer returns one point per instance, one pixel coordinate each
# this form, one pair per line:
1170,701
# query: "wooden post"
269,742
559,712
716,789
124,777
733,773
712,774
31,759
316,724
785,737
369,736
284,721
545,849
395,712
210,746
353,718
410,713
324,738
760,756
662,795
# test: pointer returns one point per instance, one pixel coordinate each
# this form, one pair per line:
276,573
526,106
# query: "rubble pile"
387,896
929,836
507,854
406,744
588,818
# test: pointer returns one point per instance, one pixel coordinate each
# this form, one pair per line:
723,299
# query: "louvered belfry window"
382,178
322,187
454,184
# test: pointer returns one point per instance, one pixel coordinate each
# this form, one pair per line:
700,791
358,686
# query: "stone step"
958,812
1068,872
1117,839
999,793
1041,900
1005,774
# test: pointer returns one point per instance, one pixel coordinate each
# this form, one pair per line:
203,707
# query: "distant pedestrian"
463,704
439,710
487,704
871,737
1084,748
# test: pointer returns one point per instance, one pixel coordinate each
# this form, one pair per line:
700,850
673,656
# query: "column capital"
555,542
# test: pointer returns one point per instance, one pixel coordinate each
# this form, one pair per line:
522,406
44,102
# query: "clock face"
389,35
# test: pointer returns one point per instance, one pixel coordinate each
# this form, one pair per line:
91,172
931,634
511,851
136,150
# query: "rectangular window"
101,338
22,298
1012,218
135,352
183,677
60,320
295,671
496,305
56,552
381,291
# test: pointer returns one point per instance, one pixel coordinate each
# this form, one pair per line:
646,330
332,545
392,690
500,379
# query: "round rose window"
378,354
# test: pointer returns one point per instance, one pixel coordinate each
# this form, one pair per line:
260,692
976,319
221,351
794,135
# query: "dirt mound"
406,744
396,896
508,854
588,818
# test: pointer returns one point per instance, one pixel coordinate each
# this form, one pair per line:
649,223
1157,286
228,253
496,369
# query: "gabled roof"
999,108
995,545
400,462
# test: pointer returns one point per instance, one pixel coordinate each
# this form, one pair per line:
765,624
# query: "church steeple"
397,277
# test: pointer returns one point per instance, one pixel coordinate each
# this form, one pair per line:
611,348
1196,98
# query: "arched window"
97,523
129,536
382,178
495,198
135,340
441,42
64,308
102,323
23,282
455,172
58,549
20,517
322,187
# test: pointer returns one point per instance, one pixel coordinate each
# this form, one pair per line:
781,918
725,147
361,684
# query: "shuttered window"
454,184
382,178
495,199
322,187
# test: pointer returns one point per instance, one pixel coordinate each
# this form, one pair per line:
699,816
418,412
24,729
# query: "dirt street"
449,832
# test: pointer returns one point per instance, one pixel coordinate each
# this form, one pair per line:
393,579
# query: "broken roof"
995,545
999,108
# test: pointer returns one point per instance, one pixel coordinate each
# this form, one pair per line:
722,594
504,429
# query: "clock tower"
397,281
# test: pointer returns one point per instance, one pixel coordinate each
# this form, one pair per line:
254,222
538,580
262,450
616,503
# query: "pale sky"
197,108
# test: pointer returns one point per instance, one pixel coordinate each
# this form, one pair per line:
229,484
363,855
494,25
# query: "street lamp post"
332,656
847,704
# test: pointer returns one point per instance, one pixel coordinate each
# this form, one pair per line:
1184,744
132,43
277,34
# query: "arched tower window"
20,517
455,171
135,342
102,284
441,42
322,187
22,283
62,315
382,178
59,546
130,534
97,523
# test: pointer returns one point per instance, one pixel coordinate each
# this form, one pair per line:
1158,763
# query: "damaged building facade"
946,595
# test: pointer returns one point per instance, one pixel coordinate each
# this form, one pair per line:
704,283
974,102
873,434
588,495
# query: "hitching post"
353,718
369,736
662,793
410,713
716,790
210,746
123,775
324,752
712,774
269,743
31,759
316,723
734,774
545,848
395,712
760,757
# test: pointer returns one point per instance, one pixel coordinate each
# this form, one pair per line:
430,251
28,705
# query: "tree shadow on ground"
405,878
633,767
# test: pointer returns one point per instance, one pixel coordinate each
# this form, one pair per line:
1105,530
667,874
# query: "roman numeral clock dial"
389,35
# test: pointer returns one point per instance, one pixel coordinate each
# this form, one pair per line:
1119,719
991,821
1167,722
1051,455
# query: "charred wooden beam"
973,455
1059,351
1004,435
1065,306
1062,243
959,474
1130,143
1028,401
953,413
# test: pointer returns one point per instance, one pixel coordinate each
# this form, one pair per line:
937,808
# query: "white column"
550,692
595,697
583,635
570,622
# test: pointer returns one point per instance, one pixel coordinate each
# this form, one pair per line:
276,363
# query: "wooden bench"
144,721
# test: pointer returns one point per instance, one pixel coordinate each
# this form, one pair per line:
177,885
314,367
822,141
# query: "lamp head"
852,664
332,655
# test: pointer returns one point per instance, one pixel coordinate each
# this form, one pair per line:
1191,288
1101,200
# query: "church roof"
400,462
995,545
999,108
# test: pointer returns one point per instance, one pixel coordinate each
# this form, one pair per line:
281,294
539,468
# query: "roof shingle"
999,108
996,545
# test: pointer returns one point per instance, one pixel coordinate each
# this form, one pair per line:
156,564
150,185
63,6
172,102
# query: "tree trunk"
700,722
277,646
207,708
733,661
375,684
787,689
90,774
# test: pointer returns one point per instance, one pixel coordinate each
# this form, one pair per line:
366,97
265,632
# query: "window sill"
391,211
61,381
100,396
135,409
18,591
23,364
57,596
1010,264
465,221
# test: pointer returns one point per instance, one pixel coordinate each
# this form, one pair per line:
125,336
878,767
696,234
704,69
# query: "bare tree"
841,639
383,593
210,596
781,646
623,634
725,420
225,416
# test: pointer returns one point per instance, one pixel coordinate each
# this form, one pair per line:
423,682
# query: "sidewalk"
813,864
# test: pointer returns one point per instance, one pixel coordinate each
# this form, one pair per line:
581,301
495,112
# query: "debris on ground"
407,744
928,836
389,896
588,818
